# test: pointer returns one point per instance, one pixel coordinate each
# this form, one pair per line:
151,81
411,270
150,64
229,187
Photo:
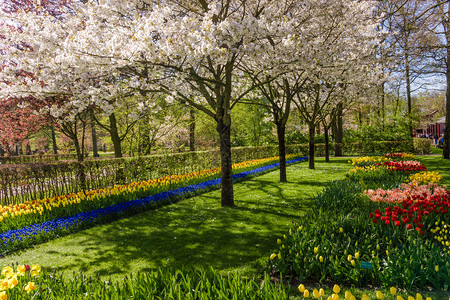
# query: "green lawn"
195,232
436,163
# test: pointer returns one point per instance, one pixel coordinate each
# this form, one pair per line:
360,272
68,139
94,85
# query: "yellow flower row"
441,235
425,177
368,159
40,205
357,169
373,168
408,156
320,293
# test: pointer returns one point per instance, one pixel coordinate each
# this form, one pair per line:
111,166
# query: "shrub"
422,146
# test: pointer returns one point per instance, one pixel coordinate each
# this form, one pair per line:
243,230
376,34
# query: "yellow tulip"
316,293
379,295
352,297
400,297
316,250
347,295
349,257
35,270
418,296
393,290
321,292
301,288
279,255
353,262
336,289
436,268
335,297
365,297
306,294
272,256
357,255
320,258
411,298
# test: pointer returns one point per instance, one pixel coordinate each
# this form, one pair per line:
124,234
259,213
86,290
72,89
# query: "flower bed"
110,204
387,236
160,284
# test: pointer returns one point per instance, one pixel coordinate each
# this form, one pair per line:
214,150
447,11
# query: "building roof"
441,120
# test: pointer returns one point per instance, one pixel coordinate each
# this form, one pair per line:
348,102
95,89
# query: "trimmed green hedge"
19,183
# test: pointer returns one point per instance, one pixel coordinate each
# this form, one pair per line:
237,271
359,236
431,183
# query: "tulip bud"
336,289
393,290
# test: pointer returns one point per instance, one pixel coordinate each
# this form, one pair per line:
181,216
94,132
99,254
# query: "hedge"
27,182
30,181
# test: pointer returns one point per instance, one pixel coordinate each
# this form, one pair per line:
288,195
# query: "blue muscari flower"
9,238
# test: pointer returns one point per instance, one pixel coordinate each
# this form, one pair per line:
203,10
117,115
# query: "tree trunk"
281,130
446,152
226,165
383,109
192,130
327,144
408,94
81,174
54,146
338,138
145,146
115,136
312,132
120,173
94,136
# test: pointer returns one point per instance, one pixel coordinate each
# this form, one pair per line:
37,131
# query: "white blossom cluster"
99,51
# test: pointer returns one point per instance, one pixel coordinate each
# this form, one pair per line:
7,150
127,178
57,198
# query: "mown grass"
436,163
195,232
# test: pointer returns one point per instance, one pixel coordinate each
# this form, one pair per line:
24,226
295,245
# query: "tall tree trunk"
312,132
446,152
120,173
115,136
81,174
383,109
191,130
339,135
145,145
94,135
327,144
281,133
227,197
54,146
408,93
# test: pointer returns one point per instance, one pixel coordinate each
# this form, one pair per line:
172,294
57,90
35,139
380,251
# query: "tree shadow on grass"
185,240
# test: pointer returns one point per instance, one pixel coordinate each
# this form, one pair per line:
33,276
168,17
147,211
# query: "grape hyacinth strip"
20,238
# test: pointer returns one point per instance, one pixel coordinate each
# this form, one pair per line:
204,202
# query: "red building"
436,128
